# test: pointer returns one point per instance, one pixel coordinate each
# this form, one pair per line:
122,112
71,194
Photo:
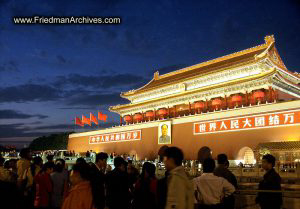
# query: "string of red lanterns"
216,103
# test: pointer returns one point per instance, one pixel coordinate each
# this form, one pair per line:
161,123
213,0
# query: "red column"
276,95
206,104
226,102
154,114
175,111
247,99
190,109
169,111
270,94
121,120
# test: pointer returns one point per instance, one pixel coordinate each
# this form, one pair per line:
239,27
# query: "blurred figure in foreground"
29,175
145,194
180,189
118,196
80,195
99,176
43,186
271,181
60,181
22,165
223,171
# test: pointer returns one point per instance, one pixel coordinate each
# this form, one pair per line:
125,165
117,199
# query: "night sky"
51,73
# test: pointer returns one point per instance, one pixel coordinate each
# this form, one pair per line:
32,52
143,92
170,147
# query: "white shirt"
211,189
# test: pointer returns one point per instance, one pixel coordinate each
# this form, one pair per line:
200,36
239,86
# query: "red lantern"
138,117
216,103
127,118
259,95
199,105
162,112
149,114
236,99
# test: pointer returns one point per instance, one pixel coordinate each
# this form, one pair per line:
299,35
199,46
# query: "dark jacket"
224,172
117,187
271,181
98,187
145,194
162,188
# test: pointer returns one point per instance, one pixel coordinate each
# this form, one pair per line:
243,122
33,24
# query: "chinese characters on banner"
116,137
251,122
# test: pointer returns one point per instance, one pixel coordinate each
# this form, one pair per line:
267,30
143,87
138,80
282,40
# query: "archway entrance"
161,152
203,153
246,155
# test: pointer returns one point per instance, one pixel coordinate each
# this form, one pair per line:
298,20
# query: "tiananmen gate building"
233,104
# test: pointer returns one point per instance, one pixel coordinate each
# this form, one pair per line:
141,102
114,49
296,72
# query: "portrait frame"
167,139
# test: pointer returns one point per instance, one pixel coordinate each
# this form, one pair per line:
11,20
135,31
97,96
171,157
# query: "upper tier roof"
177,76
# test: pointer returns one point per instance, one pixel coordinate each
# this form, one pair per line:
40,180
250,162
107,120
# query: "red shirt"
43,189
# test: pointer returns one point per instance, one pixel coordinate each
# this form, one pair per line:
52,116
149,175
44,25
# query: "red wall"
182,137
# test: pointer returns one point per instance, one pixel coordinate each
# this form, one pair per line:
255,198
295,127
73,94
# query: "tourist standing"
29,175
99,171
180,189
80,195
271,181
43,186
162,189
223,171
211,189
22,165
145,193
59,181
133,174
5,174
117,184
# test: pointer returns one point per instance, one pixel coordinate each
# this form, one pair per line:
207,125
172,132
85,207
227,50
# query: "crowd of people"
30,183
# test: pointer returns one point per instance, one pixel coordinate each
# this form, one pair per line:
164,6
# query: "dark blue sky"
51,73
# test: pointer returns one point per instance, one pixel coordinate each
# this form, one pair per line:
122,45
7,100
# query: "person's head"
164,130
80,172
2,160
37,161
148,170
173,157
62,161
80,160
222,158
120,163
25,153
209,165
101,159
58,167
50,158
48,167
268,162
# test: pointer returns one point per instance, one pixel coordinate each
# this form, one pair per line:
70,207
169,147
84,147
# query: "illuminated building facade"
226,105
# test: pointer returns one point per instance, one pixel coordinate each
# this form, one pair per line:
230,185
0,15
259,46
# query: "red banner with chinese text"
287,118
132,135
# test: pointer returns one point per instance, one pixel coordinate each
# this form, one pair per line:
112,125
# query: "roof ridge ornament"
156,75
269,39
